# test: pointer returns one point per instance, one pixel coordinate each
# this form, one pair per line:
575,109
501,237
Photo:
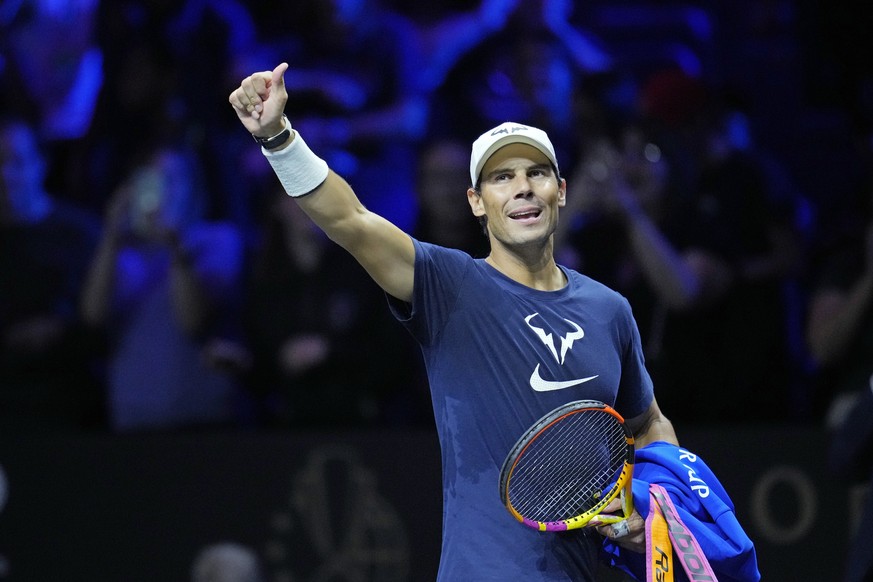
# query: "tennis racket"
568,466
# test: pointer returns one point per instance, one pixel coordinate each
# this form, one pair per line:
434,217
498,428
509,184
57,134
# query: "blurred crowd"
153,276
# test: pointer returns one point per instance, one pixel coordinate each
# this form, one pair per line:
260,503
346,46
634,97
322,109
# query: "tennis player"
505,338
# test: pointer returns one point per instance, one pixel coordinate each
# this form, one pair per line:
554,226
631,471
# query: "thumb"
278,80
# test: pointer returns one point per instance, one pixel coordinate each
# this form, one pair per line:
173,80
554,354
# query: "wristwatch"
269,143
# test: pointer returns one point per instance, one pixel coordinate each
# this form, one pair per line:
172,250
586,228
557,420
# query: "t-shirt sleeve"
439,272
636,391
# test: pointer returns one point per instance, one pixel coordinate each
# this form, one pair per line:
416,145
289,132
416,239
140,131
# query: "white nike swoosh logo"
540,385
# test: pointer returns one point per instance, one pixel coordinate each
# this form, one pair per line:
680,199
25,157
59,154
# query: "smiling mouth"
525,214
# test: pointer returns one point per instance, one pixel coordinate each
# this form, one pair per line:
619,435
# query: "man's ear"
474,198
562,193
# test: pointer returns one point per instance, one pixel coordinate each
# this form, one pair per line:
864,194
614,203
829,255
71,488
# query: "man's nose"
522,186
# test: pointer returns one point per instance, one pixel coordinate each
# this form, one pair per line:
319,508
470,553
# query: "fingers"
626,533
609,523
617,530
260,99
629,533
613,506
248,98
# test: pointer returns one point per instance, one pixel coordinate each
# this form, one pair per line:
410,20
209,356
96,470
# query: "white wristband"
299,170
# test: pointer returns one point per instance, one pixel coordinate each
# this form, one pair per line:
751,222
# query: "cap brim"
508,140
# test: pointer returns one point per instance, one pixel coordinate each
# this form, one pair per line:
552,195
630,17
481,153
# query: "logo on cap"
504,134
508,130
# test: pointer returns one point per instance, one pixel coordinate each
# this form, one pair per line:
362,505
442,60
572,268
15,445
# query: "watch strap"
269,143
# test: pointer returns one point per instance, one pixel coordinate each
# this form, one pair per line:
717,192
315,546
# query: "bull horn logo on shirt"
536,381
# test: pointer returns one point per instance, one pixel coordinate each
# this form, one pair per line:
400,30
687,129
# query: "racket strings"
564,471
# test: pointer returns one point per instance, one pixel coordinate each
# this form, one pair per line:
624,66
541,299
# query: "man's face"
519,195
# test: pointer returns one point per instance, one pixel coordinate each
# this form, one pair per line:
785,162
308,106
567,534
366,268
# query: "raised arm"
836,316
383,249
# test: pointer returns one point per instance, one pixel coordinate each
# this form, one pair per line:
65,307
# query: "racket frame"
622,486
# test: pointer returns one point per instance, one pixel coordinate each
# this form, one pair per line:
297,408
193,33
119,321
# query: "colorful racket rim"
568,466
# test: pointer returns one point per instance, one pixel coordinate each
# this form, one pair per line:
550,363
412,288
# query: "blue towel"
704,507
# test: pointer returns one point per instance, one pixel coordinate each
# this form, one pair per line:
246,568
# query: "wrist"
277,138
299,170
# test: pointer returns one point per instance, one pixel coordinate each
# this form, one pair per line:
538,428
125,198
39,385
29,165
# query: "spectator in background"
526,61
440,184
138,101
324,350
149,47
735,221
617,210
839,330
359,96
710,247
840,322
208,38
840,338
46,358
57,39
163,283
448,37
840,334
51,73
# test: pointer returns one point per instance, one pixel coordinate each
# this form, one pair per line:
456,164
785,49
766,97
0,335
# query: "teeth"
523,214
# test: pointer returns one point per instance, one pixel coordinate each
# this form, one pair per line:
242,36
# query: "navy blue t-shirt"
499,355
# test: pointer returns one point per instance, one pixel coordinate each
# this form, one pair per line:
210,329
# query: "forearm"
335,208
191,304
660,429
652,426
383,249
835,320
99,287
782,260
671,278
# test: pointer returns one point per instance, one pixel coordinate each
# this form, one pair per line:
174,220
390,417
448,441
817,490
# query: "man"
46,354
489,330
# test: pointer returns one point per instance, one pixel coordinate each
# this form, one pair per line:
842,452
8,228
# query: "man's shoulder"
592,286
427,249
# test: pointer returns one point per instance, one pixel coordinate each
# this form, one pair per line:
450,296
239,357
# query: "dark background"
135,509
96,506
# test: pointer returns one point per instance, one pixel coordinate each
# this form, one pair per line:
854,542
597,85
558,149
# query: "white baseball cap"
504,134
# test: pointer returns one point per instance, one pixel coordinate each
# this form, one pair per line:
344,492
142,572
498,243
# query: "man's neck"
540,272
